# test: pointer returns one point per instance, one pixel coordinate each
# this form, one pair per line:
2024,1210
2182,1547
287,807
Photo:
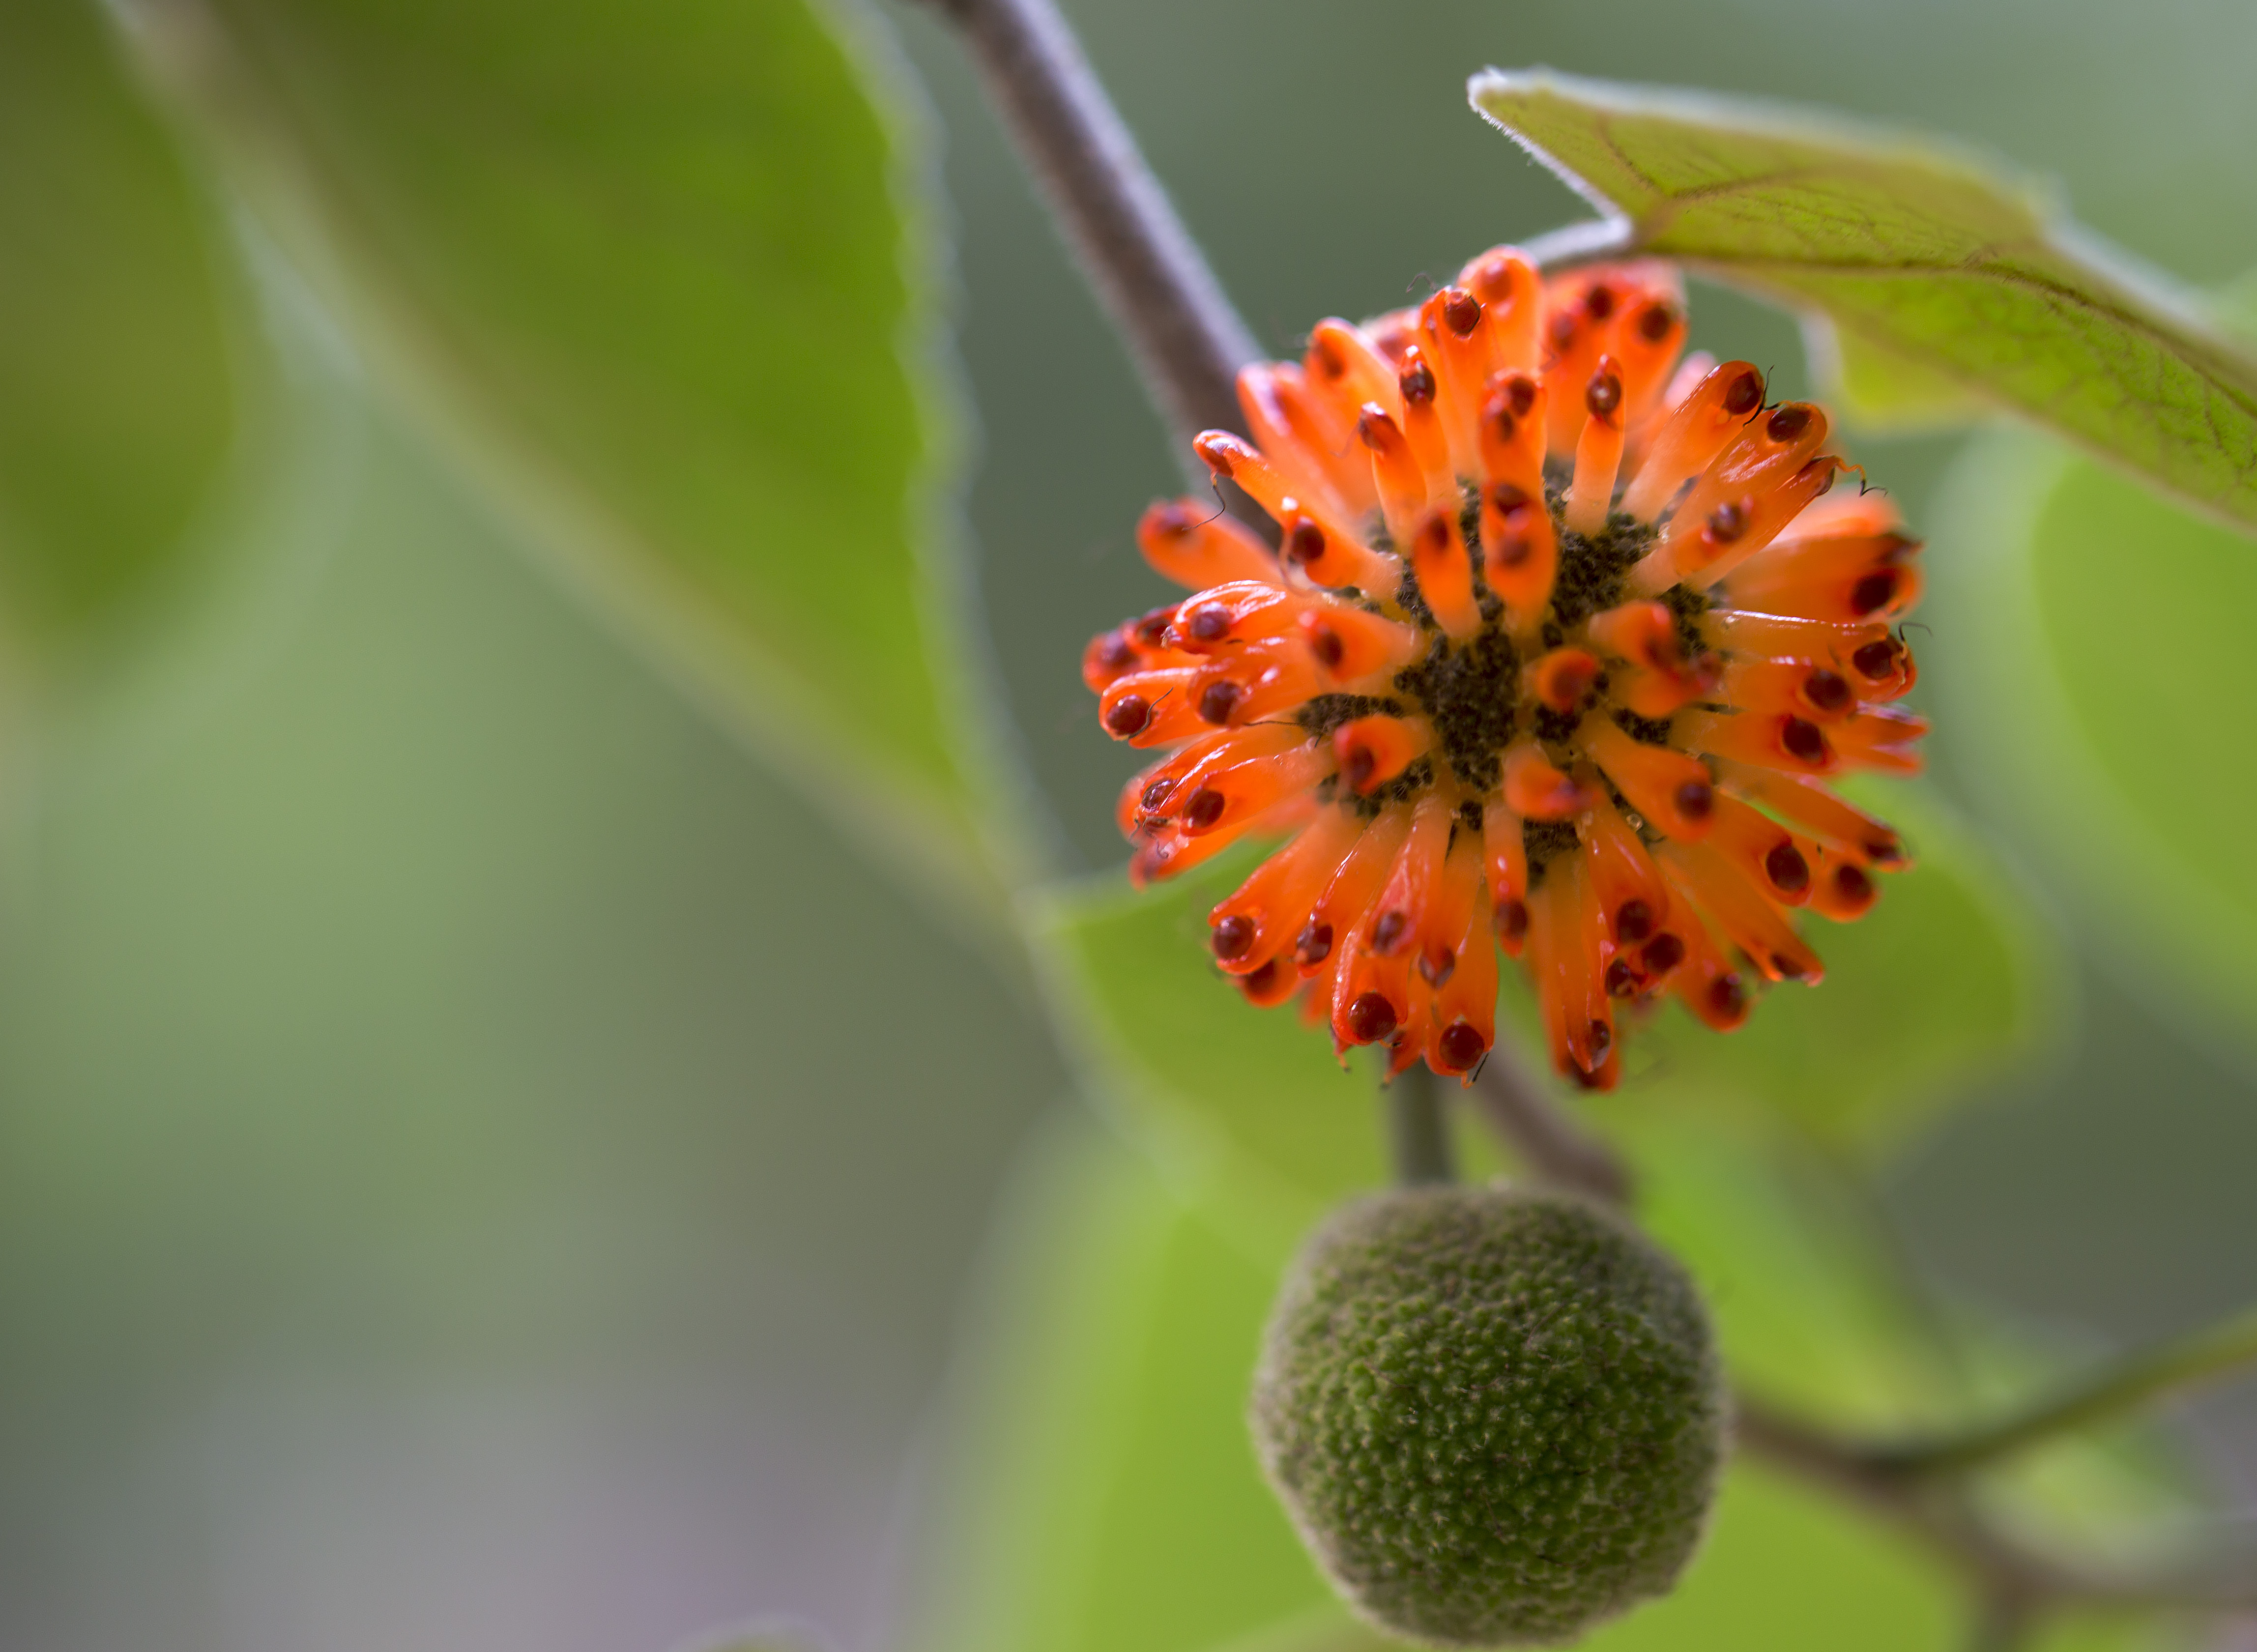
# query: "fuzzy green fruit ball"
1496,1414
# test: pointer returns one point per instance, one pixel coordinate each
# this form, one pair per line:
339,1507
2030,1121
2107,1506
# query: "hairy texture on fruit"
1496,1414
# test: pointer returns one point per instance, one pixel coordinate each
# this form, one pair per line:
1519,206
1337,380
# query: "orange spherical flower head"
1562,643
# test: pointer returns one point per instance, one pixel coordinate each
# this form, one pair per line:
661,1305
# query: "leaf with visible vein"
1918,256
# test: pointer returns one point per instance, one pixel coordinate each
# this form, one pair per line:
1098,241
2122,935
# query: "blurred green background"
483,1164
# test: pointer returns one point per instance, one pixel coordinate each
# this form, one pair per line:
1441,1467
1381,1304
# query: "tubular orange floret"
1230,616
1705,877
1296,431
1706,983
1400,913
1446,573
1536,789
1762,850
1348,369
1351,644
1504,860
1194,544
1633,898
1598,449
1373,750
1467,759
1696,432
1672,791
1264,917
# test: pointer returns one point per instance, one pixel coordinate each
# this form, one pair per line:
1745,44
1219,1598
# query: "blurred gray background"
480,1166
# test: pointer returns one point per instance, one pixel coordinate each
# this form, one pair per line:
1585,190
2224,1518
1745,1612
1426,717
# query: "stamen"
1598,450
1395,472
1881,737
1786,687
1335,560
1705,558
1706,983
1193,543
1229,456
1110,656
1659,679
1348,896
1232,615
1422,428
1766,456
1269,984
1842,890
1401,910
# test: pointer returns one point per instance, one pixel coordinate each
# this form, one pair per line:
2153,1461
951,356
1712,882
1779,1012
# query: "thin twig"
1418,1128
1188,342
2213,1352
1557,1148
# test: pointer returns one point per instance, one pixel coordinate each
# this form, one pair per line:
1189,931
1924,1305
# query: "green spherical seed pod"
1495,1414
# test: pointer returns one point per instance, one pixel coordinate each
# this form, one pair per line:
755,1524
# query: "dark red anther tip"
1562,330
1633,921
1599,303
1622,981
1388,934
1602,1039
1151,629
1885,852
1233,937
1800,741
1520,392
1259,983
1695,799
1745,395
1204,808
1313,945
1663,954
1305,543
1726,995
1437,965
1654,323
1603,395
1789,969
1373,426
1462,1046
1325,644
1158,793
1788,872
1116,653
1873,592
1512,918
1214,448
1370,1018
1461,310
1727,522
1852,884
1827,690
1507,498
1501,421
1327,360
1209,622
1128,716
1877,660
1173,520
1218,699
1356,770
1417,384
1788,423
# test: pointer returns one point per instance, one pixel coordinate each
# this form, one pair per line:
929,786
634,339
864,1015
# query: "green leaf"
1918,255
2092,662
1953,977
656,271
120,403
